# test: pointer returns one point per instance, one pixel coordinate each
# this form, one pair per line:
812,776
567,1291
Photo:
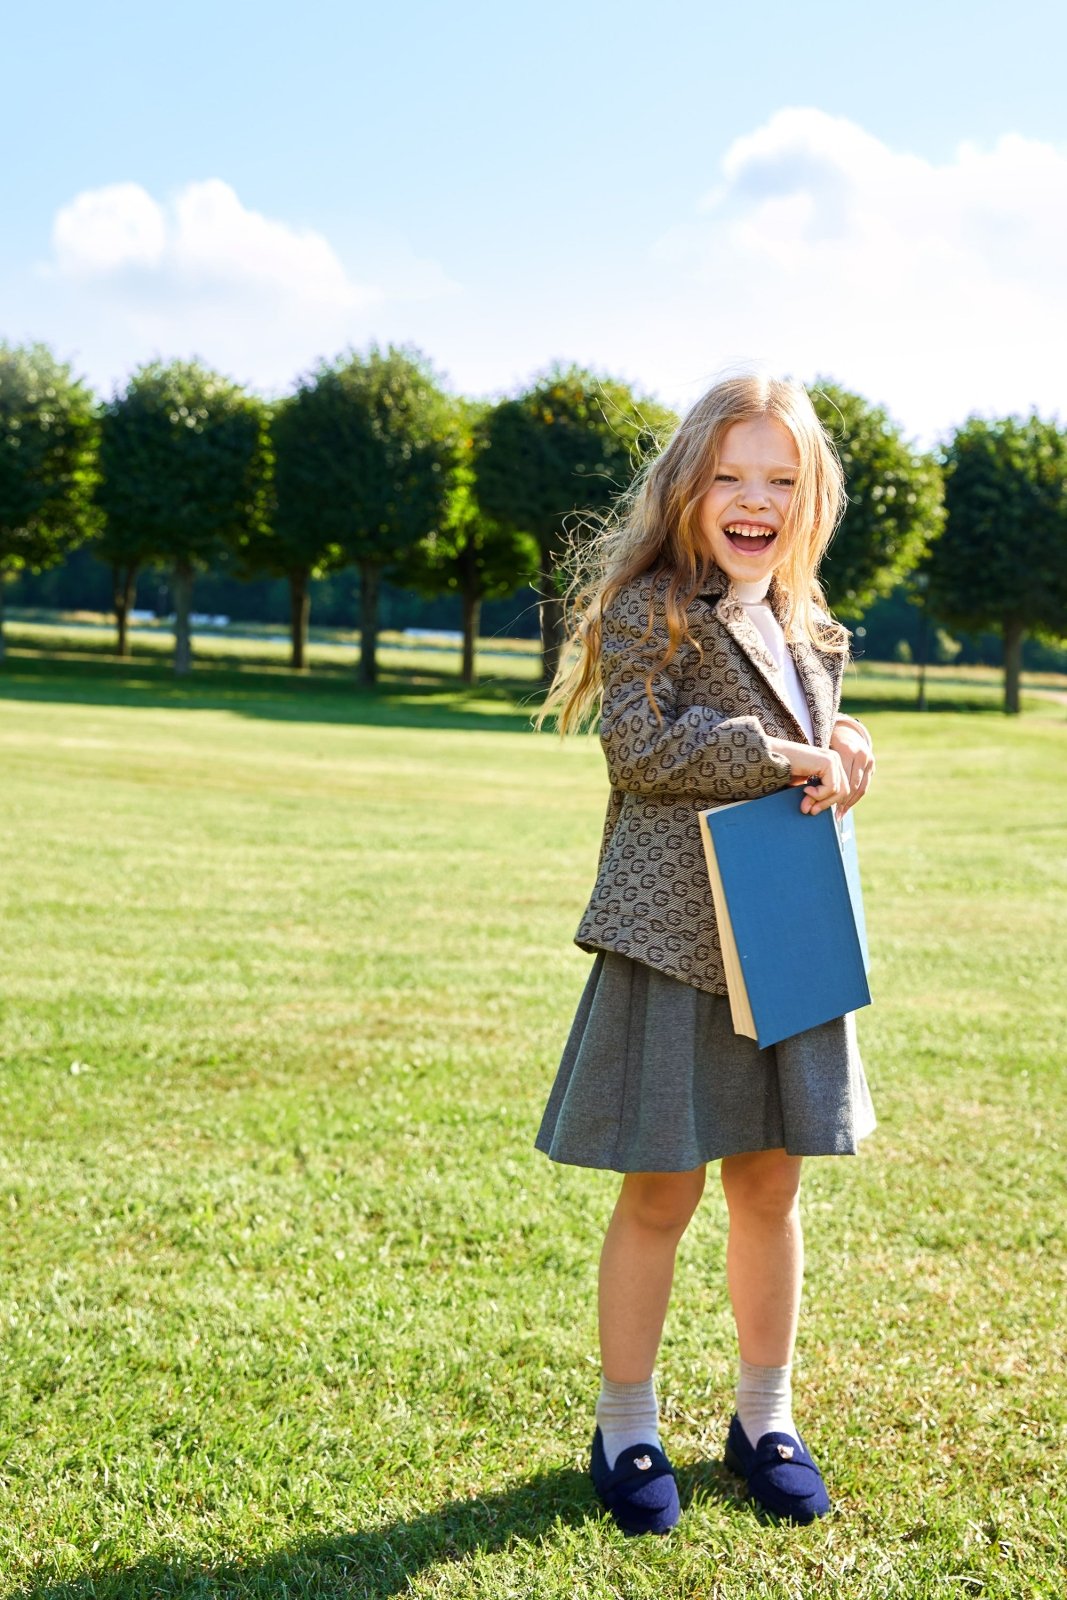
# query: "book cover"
790,912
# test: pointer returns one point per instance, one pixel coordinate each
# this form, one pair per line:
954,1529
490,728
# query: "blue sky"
875,194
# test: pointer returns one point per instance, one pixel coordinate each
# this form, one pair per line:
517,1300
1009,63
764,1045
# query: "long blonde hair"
655,527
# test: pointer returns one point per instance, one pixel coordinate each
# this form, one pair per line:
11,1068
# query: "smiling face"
743,514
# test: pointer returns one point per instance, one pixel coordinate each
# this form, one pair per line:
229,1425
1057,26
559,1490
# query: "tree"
289,544
185,462
125,549
894,501
362,470
1001,562
469,554
47,461
572,442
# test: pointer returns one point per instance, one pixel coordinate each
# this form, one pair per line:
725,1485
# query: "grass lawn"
289,1306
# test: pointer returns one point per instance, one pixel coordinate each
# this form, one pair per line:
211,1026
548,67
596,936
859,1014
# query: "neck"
750,594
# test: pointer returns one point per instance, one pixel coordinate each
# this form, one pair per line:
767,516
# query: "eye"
785,483
725,477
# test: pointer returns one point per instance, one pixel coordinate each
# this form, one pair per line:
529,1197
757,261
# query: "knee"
766,1182
663,1202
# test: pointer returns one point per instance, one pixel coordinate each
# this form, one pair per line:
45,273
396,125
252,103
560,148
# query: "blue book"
787,898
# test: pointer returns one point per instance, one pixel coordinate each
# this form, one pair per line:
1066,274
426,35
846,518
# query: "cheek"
707,516
712,507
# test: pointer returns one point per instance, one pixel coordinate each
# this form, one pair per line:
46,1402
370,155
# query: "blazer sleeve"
698,751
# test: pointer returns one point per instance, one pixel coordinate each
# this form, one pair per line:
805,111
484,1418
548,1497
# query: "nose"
752,496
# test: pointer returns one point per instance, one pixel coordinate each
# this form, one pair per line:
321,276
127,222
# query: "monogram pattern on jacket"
721,698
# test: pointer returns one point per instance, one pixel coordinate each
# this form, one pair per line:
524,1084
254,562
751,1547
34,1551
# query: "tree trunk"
123,588
1014,633
369,576
3,641
299,612
472,615
183,604
924,651
553,622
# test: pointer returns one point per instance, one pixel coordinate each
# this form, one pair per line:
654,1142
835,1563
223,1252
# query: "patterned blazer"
720,704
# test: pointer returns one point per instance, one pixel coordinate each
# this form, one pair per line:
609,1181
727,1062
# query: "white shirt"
753,596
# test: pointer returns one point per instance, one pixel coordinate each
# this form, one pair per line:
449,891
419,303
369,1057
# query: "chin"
748,571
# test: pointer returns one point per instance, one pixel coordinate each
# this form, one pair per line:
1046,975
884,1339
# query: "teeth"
749,533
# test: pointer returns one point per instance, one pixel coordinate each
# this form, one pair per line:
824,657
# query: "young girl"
704,640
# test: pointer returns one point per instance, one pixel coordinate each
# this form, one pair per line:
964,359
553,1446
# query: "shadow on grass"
404,698
948,697
381,1563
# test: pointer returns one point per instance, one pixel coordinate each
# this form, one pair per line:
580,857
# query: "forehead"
760,439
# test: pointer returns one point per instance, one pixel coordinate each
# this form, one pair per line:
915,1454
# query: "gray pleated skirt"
654,1079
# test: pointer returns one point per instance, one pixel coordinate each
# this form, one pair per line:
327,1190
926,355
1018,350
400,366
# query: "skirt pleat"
654,1079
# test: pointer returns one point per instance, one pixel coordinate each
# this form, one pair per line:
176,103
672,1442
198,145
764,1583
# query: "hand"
820,772
857,759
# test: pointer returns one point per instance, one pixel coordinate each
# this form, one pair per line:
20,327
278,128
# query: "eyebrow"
774,466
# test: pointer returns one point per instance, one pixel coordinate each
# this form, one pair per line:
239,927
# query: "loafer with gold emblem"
780,1474
640,1490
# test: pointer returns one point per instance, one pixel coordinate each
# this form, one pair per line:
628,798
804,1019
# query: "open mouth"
749,538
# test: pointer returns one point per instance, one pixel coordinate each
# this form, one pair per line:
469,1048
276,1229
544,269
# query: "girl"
704,640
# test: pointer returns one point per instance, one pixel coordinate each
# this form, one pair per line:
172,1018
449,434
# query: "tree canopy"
571,443
469,554
369,463
1001,562
894,505
184,461
289,544
47,460
364,448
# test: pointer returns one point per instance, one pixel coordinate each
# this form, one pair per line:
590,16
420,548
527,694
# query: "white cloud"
936,288
933,287
105,230
216,239
203,238
199,273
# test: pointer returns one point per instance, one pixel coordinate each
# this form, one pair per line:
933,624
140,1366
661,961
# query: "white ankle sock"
765,1401
627,1414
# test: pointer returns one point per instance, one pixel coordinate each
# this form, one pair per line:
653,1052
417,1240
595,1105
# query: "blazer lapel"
816,678
818,684
818,675
735,620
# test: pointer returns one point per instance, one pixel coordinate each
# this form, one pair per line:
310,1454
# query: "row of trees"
369,462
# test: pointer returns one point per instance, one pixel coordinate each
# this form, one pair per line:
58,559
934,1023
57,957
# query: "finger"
812,795
819,796
821,784
827,784
840,780
859,779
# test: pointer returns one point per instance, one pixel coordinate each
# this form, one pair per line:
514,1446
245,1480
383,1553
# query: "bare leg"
637,1267
764,1253
765,1268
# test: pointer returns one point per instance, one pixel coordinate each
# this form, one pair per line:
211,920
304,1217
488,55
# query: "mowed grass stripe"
289,1303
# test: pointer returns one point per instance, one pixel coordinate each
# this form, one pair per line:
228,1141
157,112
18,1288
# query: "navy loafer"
780,1474
640,1490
